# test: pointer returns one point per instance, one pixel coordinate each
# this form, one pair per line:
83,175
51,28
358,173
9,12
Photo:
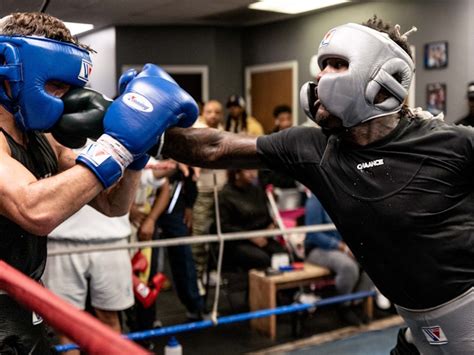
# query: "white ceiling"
103,13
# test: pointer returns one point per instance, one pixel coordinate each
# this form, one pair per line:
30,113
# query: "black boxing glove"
82,118
309,99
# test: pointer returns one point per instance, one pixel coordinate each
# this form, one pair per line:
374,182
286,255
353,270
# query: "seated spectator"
329,250
243,207
283,118
468,120
285,188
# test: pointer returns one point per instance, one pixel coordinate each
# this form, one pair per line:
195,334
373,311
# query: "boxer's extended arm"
211,148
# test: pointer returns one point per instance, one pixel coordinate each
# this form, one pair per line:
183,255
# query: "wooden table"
263,290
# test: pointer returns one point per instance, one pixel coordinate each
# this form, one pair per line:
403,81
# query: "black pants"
18,334
246,255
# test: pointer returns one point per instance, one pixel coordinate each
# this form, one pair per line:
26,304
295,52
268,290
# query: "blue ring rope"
181,328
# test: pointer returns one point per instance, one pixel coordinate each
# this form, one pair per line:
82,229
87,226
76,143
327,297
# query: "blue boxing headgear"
28,63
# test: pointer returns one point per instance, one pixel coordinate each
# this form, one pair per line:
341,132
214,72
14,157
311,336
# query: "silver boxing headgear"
375,62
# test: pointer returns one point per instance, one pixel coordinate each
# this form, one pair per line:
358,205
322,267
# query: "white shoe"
213,278
382,302
201,288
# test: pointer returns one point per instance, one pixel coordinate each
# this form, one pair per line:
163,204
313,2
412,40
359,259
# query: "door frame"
291,64
182,69
412,88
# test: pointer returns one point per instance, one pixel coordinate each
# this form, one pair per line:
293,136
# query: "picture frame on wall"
436,55
436,98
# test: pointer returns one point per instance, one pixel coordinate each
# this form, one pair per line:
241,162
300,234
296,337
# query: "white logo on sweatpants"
36,318
370,164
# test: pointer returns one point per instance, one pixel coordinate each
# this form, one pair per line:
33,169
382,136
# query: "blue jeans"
181,261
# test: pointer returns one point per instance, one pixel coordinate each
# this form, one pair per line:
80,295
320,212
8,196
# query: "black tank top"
19,248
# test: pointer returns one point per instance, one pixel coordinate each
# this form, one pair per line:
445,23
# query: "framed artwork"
436,55
436,98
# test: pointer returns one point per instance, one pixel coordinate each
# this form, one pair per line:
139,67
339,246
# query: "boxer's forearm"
210,148
118,200
39,206
115,201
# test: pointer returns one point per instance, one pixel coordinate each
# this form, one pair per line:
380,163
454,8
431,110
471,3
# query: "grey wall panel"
219,49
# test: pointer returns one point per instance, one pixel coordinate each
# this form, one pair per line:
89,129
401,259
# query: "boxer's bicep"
66,159
14,182
66,156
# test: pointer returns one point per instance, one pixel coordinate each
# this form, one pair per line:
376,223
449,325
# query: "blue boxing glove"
125,78
134,121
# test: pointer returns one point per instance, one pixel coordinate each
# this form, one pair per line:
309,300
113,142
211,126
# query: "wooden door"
269,89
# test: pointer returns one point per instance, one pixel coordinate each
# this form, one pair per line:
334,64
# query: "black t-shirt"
403,204
19,248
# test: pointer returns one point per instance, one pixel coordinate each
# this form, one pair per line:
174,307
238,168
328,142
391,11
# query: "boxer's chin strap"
221,250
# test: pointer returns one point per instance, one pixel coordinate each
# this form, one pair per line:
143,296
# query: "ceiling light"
294,6
77,28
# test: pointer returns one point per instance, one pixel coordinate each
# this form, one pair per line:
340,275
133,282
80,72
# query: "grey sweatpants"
349,277
444,329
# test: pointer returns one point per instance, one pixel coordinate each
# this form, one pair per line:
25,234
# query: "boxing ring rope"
93,336
209,238
181,328
220,257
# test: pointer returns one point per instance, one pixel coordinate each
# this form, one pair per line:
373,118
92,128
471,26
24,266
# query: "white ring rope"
266,233
221,251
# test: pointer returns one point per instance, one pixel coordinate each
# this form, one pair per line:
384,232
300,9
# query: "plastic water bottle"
173,347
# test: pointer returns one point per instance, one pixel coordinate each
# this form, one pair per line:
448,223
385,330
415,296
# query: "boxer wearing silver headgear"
375,62
28,63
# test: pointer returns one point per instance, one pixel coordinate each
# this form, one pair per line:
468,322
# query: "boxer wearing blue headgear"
39,62
29,62
397,183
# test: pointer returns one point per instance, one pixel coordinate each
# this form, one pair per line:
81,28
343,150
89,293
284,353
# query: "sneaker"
197,316
201,288
157,324
307,298
213,278
382,302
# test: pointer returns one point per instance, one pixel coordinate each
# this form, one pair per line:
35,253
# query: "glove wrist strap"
107,158
107,146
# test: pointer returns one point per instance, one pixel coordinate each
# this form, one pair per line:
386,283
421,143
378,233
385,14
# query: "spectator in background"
238,121
106,276
327,249
152,198
283,118
177,222
203,210
469,119
243,207
284,186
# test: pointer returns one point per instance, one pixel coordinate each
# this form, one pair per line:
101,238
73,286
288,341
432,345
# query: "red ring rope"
90,334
